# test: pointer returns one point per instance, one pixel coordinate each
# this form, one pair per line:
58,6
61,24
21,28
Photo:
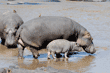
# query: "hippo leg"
20,51
48,55
34,52
53,55
66,54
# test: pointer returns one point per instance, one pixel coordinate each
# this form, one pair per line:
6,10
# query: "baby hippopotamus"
62,46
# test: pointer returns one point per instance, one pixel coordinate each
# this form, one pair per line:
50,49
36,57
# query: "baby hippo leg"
48,55
66,54
53,54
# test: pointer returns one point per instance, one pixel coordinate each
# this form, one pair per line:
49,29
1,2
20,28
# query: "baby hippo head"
75,47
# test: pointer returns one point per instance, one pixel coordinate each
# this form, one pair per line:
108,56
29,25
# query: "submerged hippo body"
38,31
9,23
62,46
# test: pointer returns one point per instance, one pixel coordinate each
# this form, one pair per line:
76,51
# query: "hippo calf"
9,24
62,46
39,31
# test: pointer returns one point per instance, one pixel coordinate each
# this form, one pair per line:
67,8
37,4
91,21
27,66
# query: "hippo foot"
48,57
35,57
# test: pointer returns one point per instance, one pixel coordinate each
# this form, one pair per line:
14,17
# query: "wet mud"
78,61
93,16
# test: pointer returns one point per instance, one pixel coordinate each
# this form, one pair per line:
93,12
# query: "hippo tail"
18,32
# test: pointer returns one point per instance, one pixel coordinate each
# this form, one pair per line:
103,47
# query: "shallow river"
78,61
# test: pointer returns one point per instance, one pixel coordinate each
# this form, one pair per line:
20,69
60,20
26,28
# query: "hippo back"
47,28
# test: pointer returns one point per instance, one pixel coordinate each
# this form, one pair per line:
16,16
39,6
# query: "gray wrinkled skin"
9,24
47,28
62,46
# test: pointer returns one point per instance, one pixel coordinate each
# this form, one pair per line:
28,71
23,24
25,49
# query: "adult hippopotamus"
9,23
36,32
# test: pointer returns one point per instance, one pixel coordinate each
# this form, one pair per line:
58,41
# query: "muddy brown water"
78,62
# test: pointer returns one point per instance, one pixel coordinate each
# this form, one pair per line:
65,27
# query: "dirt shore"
94,16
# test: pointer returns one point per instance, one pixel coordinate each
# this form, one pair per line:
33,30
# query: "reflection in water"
79,62
78,66
5,52
34,64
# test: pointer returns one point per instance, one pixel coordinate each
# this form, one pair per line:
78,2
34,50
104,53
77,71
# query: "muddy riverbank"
94,16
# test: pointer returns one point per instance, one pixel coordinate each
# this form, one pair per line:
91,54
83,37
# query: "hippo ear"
40,15
14,11
87,34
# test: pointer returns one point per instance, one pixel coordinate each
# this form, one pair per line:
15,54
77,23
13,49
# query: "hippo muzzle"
87,45
10,38
90,49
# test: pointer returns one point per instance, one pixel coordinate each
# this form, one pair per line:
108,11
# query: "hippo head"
75,47
9,33
85,40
